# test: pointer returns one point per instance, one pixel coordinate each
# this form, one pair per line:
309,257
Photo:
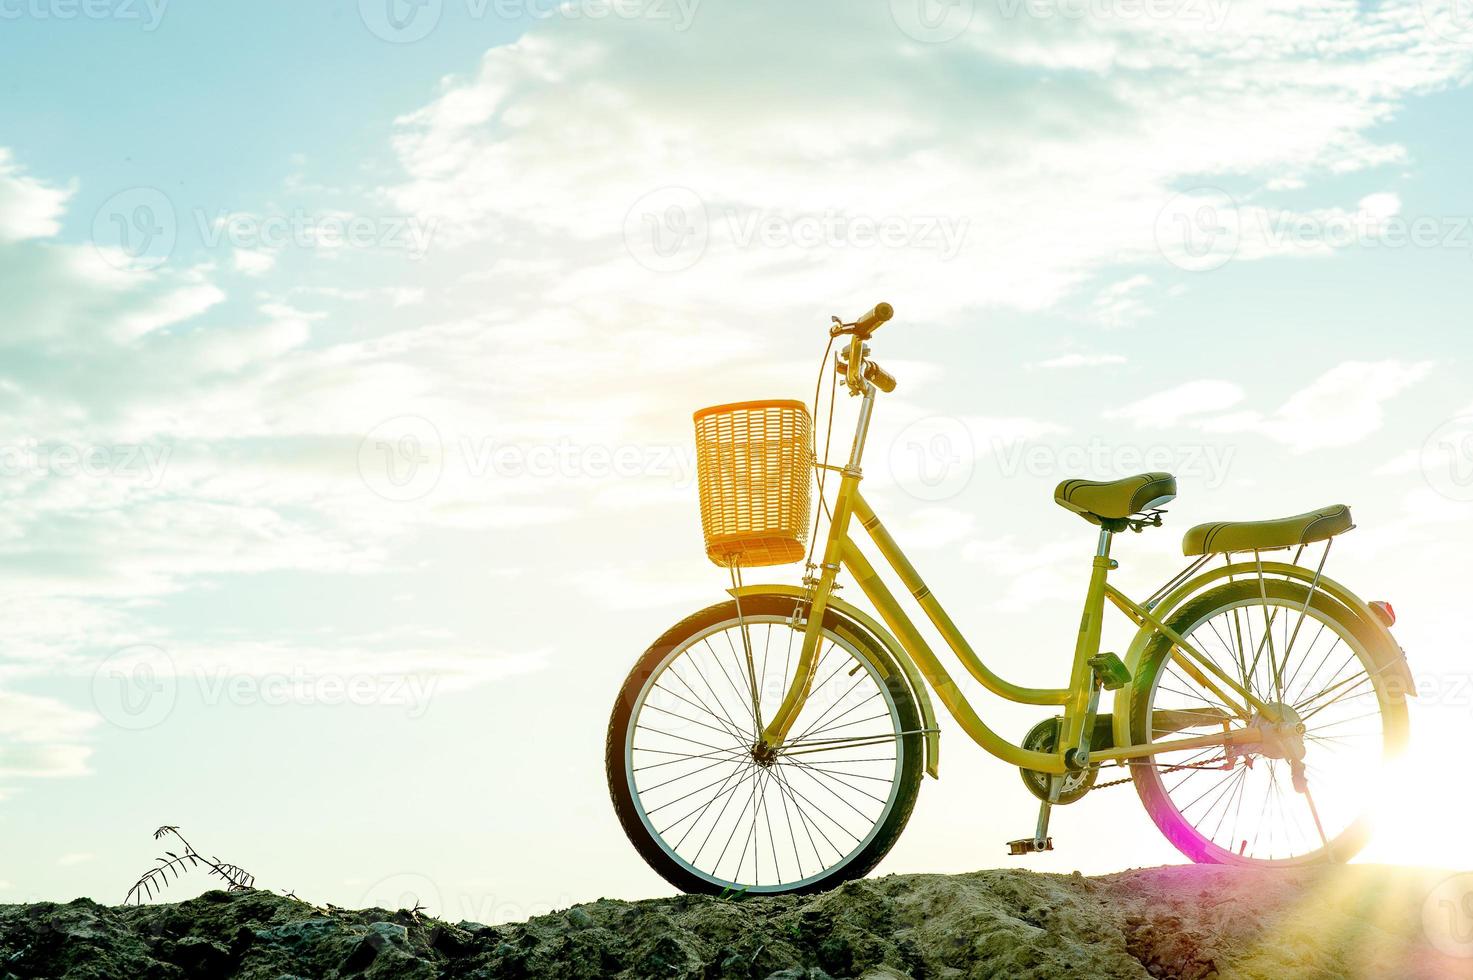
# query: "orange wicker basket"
754,461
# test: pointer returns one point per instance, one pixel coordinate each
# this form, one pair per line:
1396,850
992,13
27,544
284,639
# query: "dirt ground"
1358,921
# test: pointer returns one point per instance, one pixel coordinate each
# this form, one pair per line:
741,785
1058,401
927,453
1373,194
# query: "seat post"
1103,549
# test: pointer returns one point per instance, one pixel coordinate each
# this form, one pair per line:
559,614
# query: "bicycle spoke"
841,781
858,704
736,689
683,756
714,696
691,721
726,787
809,825
704,745
686,775
725,718
746,654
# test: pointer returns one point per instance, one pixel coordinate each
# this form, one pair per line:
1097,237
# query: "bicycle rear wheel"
711,813
1290,800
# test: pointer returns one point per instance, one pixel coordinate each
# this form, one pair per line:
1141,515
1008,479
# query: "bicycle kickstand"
1040,841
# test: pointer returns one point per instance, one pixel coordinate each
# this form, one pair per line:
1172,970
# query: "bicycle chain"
1209,764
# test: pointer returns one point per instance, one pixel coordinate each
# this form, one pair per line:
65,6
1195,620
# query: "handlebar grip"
873,320
873,373
879,377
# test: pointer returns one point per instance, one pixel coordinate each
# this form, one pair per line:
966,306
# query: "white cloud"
1031,572
41,737
254,261
1174,405
170,308
395,295
1401,464
1300,87
28,207
1120,304
1340,407
1081,361
75,858
934,527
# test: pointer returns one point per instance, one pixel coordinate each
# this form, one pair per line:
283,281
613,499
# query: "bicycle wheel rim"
812,848
1211,820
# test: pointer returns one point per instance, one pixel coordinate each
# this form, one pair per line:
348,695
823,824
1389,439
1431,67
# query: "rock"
200,957
1194,922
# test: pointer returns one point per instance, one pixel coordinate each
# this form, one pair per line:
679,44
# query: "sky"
348,351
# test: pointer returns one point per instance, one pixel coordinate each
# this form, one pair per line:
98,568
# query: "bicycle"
1240,750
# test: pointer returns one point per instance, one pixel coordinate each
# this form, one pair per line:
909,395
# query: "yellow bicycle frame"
841,551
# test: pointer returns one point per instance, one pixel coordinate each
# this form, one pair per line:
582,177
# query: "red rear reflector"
1383,611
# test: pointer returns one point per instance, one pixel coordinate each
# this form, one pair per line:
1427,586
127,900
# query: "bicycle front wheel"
1288,800
707,809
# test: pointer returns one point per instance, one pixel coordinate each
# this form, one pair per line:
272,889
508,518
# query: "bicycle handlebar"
879,377
866,325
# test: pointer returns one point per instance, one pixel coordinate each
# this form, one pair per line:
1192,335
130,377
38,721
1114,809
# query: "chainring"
1044,737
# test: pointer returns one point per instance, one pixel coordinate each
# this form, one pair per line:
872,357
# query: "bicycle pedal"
1113,673
1029,845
